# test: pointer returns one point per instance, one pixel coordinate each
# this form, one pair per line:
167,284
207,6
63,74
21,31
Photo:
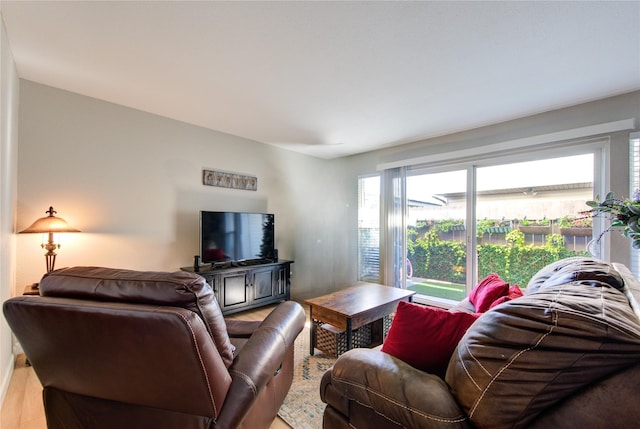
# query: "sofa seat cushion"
399,395
528,354
177,289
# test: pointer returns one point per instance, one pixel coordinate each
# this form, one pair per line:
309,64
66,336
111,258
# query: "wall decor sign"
223,179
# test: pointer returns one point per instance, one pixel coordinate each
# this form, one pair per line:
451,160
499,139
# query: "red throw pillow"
487,292
514,292
425,337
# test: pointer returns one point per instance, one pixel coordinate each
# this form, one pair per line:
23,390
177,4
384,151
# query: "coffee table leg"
349,335
312,337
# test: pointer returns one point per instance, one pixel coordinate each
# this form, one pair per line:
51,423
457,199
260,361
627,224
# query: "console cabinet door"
214,282
262,282
234,290
281,282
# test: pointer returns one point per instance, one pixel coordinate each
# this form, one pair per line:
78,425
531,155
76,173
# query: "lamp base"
51,261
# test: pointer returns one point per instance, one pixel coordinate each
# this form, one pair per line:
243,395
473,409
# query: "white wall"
8,196
132,182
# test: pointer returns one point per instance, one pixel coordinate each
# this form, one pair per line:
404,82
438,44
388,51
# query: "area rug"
302,408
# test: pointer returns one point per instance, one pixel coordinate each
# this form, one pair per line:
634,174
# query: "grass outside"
454,291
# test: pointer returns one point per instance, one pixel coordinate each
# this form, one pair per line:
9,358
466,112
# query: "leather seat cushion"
178,289
528,354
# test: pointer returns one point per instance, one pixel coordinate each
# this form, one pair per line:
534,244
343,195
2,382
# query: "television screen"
233,236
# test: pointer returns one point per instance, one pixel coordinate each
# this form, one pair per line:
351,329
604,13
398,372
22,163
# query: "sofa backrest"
177,289
578,268
576,326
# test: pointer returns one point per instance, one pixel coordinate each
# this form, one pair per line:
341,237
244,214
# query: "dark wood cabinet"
241,287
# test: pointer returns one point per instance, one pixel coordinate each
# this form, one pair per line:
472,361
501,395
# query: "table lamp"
50,224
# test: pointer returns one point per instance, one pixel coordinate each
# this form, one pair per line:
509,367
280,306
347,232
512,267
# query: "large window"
510,215
369,229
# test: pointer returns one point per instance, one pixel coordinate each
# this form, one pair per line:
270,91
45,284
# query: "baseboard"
7,373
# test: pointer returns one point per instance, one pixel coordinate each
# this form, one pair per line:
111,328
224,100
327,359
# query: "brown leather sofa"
127,349
565,355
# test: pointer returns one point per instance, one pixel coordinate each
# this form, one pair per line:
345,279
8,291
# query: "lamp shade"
50,223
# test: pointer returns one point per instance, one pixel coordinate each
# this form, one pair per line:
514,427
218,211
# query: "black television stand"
241,287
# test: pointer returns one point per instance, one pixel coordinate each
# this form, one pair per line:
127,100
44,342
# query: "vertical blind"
392,223
634,183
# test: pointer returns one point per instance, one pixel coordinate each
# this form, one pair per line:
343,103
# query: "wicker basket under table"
332,341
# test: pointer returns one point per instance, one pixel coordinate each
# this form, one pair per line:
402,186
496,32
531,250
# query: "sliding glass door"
507,216
436,209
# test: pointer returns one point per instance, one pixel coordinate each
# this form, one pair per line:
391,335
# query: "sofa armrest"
259,359
394,389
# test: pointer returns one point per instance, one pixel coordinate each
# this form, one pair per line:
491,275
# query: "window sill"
434,301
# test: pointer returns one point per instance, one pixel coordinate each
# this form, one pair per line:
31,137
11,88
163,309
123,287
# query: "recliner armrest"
394,389
259,359
241,328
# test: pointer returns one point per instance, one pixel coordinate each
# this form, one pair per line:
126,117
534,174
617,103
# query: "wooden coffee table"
353,307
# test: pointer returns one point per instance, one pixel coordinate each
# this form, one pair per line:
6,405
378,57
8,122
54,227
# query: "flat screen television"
236,237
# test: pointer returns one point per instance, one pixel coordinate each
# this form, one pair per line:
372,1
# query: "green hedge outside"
515,262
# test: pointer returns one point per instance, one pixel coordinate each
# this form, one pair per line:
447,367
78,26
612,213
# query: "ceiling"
331,79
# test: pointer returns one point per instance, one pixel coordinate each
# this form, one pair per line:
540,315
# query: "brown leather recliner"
564,356
129,349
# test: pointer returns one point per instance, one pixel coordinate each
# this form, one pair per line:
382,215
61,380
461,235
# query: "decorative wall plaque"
223,179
